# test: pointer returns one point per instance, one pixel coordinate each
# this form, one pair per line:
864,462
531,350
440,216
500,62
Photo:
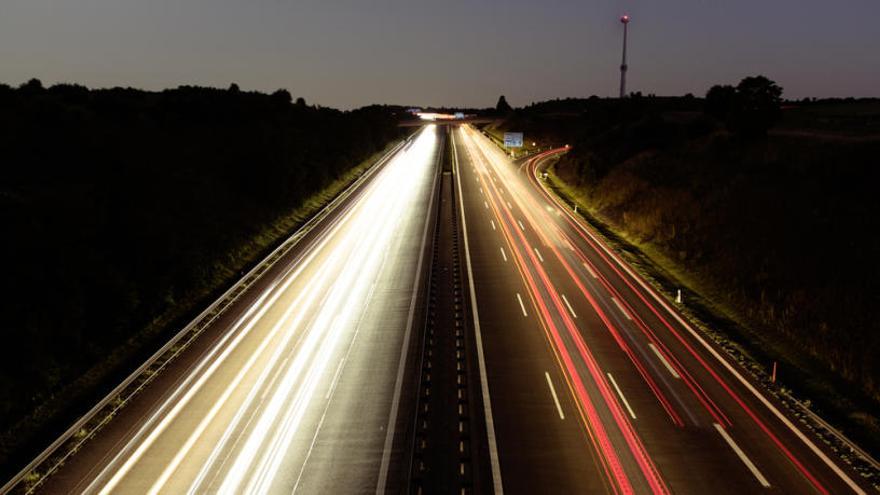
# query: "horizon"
349,55
48,86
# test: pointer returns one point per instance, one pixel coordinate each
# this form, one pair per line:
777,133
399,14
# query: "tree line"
121,206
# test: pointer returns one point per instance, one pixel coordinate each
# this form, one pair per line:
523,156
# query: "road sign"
513,139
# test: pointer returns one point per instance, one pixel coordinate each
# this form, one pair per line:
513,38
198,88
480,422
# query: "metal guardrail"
839,435
92,421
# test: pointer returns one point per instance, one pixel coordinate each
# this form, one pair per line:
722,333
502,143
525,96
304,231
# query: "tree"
502,107
71,93
301,102
719,100
757,106
31,87
282,96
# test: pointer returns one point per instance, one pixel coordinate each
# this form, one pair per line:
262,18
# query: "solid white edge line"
742,456
484,384
521,305
711,350
555,398
569,306
632,414
503,255
621,308
664,361
398,385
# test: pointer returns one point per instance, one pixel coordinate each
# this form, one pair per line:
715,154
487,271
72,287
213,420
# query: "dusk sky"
350,53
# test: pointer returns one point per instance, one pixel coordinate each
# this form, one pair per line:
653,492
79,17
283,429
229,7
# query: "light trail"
604,444
604,252
752,416
698,391
555,238
251,397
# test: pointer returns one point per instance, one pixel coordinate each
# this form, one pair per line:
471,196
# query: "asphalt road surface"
595,383
299,388
583,378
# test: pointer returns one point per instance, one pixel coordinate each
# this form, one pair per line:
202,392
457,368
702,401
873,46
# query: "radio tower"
624,20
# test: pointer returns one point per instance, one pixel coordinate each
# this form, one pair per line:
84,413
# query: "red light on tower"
624,19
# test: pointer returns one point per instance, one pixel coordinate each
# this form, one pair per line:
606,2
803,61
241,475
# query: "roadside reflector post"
678,296
773,376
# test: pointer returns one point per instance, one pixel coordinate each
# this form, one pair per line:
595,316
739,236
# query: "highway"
569,374
595,383
302,386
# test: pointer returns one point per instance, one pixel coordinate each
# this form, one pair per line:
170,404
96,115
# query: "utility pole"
625,21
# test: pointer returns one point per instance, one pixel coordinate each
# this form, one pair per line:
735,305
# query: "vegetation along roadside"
127,211
755,210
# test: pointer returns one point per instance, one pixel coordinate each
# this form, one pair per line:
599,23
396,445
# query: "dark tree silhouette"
719,99
283,96
502,107
31,87
756,108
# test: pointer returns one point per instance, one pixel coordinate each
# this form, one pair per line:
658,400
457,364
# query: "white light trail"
256,412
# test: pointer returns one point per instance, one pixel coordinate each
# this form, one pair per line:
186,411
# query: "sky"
350,53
